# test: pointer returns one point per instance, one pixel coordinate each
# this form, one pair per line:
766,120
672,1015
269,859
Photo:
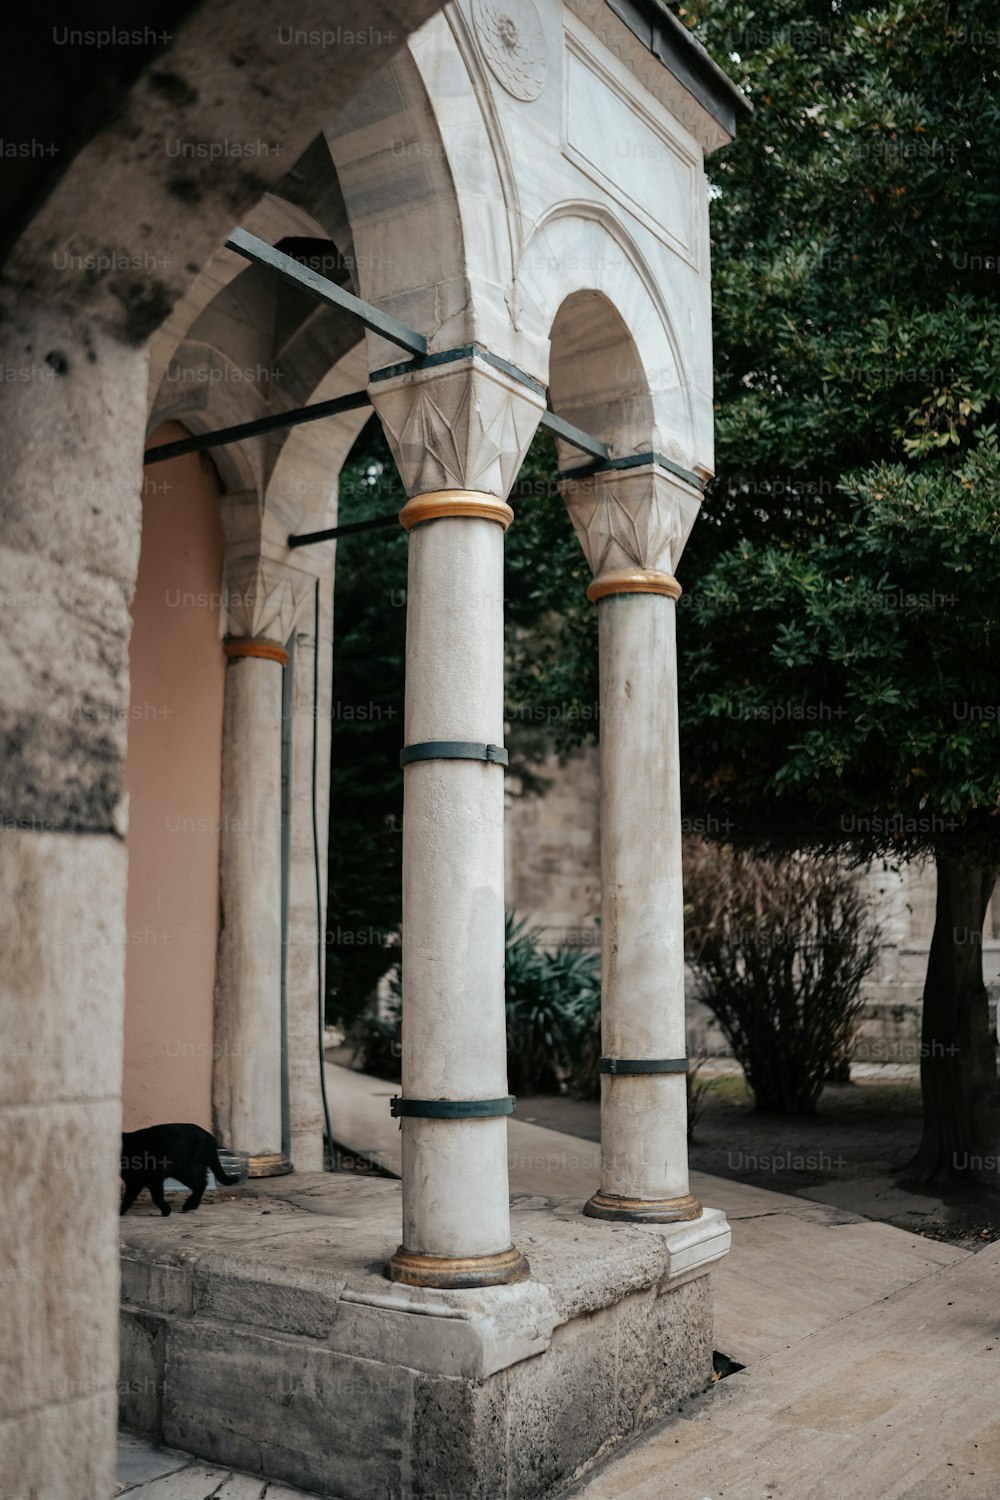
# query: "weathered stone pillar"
262,600
627,522
72,401
459,435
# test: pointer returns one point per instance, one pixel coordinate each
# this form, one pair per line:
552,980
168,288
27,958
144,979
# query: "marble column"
459,434
629,521
263,600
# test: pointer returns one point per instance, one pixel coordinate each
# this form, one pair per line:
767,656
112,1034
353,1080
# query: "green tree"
366,783
842,692
837,675
845,561
854,246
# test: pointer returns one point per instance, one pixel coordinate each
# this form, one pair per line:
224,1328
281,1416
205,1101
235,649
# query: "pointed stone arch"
581,248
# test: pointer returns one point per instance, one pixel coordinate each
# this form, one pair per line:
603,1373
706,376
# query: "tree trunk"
958,1079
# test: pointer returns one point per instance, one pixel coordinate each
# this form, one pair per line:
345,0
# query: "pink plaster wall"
172,772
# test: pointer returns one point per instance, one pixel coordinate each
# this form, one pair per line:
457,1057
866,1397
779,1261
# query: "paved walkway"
872,1355
164,1474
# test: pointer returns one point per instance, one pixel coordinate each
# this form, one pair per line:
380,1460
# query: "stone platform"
261,1333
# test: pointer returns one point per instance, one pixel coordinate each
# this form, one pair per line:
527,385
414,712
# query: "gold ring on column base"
442,503
247,646
643,1210
269,1164
634,581
455,1272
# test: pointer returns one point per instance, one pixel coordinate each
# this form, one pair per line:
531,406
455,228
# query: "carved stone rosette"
513,42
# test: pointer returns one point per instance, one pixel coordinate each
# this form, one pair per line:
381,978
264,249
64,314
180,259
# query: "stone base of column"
269,1164
643,1210
436,1392
455,1272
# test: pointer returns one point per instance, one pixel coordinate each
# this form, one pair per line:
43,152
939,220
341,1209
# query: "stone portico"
521,188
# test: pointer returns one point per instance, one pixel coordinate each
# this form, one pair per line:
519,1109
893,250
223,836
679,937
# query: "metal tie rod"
377,523
388,327
566,430
575,435
295,416
330,534
274,423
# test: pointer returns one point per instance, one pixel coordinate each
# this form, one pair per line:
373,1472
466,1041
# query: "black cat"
152,1155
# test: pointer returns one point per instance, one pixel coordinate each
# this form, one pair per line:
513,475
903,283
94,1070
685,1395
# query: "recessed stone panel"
615,142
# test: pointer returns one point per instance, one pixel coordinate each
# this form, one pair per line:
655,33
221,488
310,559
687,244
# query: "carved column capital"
263,602
632,525
459,425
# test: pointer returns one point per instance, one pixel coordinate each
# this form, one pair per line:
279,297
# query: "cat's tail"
217,1172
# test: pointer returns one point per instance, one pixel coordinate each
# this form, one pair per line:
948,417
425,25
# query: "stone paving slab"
896,1402
166,1474
139,1463
787,1278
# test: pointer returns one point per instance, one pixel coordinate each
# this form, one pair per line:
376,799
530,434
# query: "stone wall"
172,778
553,878
73,346
553,851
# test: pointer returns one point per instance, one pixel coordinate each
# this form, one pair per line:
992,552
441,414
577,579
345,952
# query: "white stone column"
459,436
263,600
628,522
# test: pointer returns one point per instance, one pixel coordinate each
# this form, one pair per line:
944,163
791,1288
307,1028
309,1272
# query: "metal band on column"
642,1210
641,1065
452,1109
494,755
459,1272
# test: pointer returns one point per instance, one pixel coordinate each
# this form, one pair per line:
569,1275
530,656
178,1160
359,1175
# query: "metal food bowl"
234,1164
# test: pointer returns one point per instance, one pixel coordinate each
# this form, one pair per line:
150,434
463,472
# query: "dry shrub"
781,946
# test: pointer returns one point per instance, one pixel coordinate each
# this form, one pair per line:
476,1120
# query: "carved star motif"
635,521
462,430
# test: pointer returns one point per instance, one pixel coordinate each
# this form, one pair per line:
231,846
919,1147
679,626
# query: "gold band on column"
634,581
441,503
248,646
641,1210
456,1272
